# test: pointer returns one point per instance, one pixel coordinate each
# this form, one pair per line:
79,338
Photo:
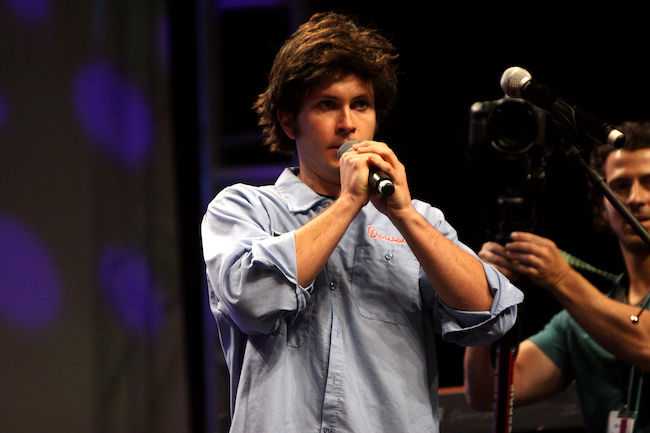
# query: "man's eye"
360,105
620,186
645,181
326,105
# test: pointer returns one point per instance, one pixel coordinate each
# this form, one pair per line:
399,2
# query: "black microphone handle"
381,183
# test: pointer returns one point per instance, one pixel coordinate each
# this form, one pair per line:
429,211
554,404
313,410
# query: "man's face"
628,174
330,115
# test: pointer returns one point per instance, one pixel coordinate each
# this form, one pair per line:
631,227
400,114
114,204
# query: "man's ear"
287,121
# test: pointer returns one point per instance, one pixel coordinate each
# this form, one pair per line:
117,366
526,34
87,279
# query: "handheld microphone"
517,82
378,181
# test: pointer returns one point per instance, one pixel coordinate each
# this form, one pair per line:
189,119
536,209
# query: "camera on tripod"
511,126
507,153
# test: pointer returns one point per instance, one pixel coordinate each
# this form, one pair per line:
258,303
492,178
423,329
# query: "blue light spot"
129,289
30,10
114,113
30,290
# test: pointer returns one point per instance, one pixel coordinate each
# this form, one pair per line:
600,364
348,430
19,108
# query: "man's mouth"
642,218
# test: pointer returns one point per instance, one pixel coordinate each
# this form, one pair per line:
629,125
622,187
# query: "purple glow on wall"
29,289
30,10
128,286
114,113
4,111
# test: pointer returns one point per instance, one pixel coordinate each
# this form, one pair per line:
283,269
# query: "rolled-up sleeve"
469,328
251,273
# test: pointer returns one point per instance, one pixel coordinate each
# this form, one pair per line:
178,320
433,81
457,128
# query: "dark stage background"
120,120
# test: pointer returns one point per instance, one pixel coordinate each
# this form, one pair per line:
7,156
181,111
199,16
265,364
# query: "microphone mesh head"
345,147
513,79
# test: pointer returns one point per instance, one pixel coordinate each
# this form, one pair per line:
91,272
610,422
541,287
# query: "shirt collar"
623,288
298,196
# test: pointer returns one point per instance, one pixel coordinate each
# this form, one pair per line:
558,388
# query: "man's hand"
537,258
354,173
496,255
380,157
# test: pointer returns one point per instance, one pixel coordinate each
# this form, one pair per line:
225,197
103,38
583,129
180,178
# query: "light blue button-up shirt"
355,350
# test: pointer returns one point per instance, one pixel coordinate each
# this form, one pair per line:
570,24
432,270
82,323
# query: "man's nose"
639,193
346,124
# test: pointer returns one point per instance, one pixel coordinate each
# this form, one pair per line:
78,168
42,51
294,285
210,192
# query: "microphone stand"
511,209
505,356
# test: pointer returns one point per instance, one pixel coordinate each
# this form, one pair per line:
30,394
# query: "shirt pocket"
385,284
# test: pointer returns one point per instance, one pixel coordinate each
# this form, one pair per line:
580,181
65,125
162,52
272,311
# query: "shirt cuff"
303,296
482,327
280,251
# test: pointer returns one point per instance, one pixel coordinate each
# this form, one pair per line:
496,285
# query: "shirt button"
332,285
388,256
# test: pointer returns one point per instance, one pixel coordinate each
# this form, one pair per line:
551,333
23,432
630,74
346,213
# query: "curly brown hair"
637,136
324,49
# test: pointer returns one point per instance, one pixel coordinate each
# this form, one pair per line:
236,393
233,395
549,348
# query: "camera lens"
513,126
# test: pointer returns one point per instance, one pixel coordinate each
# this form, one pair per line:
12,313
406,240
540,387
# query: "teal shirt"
601,379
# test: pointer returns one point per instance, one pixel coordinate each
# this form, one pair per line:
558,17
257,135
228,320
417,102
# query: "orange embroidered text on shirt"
374,234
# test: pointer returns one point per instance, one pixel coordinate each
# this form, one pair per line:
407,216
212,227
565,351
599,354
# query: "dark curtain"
92,330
